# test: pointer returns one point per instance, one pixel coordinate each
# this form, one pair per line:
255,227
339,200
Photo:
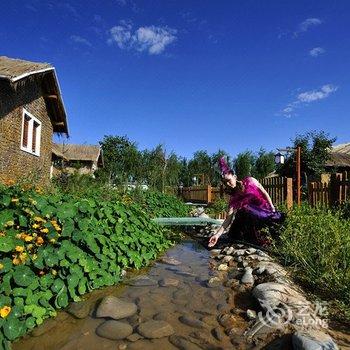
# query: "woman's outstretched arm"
227,222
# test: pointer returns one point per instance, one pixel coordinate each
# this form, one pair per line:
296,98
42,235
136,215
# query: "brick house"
69,158
31,110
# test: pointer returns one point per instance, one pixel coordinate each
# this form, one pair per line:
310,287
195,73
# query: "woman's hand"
213,240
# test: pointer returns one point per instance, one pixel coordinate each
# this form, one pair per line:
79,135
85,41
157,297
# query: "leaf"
7,244
68,228
6,265
57,285
23,276
13,328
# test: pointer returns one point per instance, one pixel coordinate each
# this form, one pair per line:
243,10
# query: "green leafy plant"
55,248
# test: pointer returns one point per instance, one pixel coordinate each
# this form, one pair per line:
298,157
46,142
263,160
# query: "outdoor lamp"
279,158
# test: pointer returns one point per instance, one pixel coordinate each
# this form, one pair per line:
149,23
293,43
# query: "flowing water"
187,304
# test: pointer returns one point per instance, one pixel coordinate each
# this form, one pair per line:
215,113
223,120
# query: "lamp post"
279,159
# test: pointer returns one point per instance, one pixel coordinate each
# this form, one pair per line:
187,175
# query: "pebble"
168,282
134,337
227,258
230,250
79,310
170,261
182,343
213,282
222,267
114,330
155,329
192,322
248,276
250,251
251,314
115,308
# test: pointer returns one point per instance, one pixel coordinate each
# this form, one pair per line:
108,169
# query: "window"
31,134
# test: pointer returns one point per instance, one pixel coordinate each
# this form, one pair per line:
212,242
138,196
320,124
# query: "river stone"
227,258
169,282
250,251
218,333
313,340
155,329
79,310
215,252
230,250
192,322
115,308
182,343
248,276
251,314
114,330
222,267
134,337
170,261
142,281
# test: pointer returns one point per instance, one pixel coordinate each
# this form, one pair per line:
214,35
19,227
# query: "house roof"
78,152
16,71
341,148
338,159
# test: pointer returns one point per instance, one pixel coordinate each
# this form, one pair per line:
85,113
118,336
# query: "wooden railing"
331,192
279,188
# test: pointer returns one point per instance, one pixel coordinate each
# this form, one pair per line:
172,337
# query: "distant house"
85,159
339,158
31,110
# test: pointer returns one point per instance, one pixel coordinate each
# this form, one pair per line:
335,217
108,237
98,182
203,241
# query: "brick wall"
14,163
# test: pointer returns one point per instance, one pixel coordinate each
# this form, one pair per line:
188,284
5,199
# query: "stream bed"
174,308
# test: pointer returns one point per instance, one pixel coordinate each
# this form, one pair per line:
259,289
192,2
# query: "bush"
316,243
218,207
55,248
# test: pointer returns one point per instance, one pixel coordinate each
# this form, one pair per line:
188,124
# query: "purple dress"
253,212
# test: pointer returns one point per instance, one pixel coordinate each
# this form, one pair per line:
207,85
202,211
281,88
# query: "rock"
239,252
80,309
245,264
115,308
122,346
259,270
226,320
213,282
239,259
313,340
134,337
227,258
230,250
251,314
114,330
161,316
155,329
222,267
142,281
250,251
218,333
215,252
182,343
248,276
220,256
170,261
168,282
192,322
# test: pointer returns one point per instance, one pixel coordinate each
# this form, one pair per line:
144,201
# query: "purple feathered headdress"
225,169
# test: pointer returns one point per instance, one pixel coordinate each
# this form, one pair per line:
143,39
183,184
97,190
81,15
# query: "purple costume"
253,210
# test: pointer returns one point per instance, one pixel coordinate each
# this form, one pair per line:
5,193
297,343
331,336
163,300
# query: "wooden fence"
331,192
280,190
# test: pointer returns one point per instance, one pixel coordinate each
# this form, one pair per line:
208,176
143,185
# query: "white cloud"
152,39
307,24
304,98
316,51
80,40
314,95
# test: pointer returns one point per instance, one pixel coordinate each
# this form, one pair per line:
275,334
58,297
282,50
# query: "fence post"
289,192
209,194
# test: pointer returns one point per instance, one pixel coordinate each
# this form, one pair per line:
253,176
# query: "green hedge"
55,249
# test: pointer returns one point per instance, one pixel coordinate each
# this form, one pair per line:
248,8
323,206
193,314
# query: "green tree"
244,164
264,164
315,148
200,164
121,159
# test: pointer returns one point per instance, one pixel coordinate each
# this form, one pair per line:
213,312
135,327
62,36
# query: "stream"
176,309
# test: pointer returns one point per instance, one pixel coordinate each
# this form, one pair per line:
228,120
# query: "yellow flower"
34,257
16,261
28,238
44,230
39,241
39,219
52,240
14,200
35,226
19,249
4,312
1,266
23,257
2,234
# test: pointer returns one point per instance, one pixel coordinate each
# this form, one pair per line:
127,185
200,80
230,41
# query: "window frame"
31,122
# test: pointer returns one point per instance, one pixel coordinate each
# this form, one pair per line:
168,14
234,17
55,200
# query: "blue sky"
193,75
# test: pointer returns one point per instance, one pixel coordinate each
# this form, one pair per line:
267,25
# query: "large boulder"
113,307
